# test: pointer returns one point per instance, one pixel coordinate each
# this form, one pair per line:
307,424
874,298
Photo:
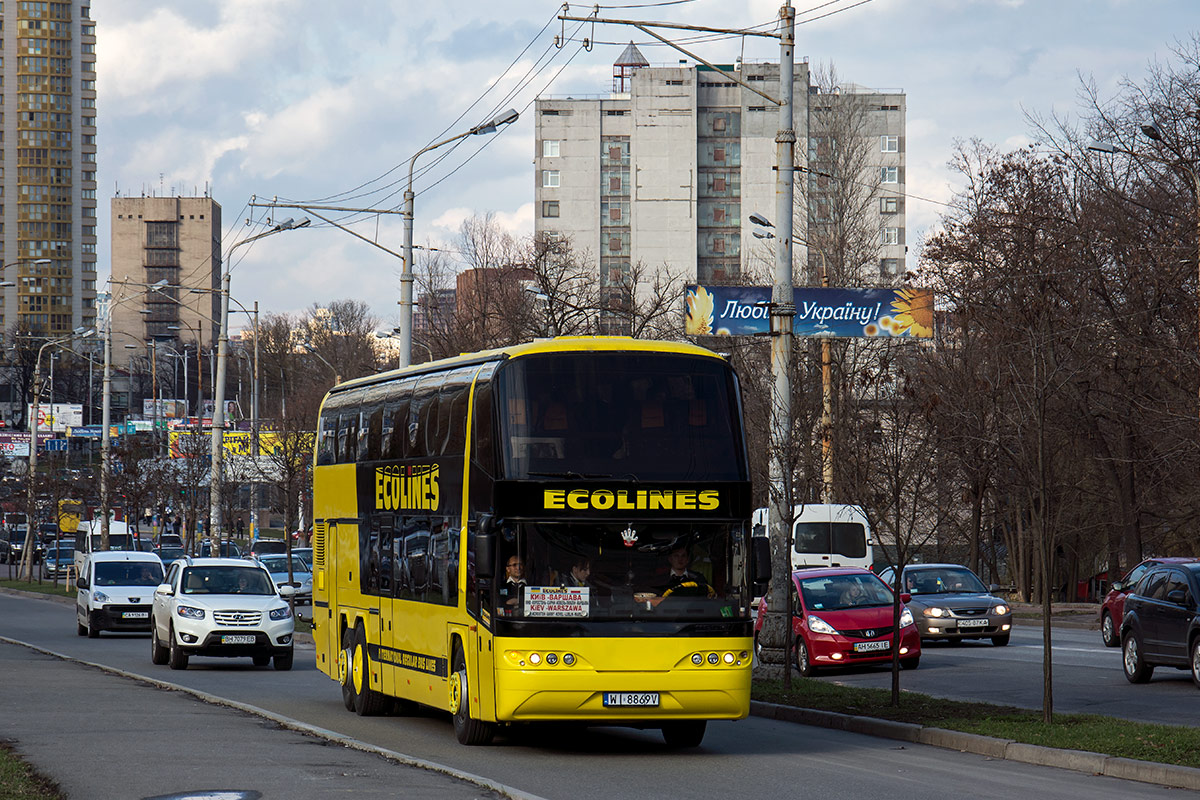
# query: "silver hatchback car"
949,601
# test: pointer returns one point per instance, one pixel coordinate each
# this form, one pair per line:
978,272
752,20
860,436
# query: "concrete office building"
176,239
48,166
667,168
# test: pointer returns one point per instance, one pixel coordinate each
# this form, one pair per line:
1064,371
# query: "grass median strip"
1164,744
18,781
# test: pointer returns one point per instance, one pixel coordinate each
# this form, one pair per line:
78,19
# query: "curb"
1130,769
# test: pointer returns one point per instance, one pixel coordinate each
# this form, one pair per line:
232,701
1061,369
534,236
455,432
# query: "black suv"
1161,625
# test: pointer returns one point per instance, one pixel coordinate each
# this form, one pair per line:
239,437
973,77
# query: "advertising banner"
727,310
167,409
16,445
57,417
857,313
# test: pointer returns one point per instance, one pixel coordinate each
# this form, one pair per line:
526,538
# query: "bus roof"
560,344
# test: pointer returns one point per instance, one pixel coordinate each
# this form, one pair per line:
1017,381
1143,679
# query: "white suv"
226,607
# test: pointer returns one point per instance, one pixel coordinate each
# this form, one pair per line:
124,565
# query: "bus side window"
386,536
454,416
369,437
483,447
422,411
386,431
327,442
369,556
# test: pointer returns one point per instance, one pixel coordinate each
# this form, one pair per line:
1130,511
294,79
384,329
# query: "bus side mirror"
760,563
485,552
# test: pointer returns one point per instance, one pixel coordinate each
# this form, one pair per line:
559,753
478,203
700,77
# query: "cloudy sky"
319,102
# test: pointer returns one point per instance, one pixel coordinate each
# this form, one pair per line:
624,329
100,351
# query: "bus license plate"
972,623
628,699
237,638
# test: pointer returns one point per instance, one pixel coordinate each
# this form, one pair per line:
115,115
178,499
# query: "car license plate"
238,638
135,615
868,647
972,623
635,699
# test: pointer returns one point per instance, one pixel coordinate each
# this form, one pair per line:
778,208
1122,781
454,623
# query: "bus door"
480,644
325,624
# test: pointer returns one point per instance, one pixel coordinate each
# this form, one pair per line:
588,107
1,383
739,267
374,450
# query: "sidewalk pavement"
102,736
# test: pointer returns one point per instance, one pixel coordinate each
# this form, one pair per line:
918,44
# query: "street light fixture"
6,284
217,447
406,271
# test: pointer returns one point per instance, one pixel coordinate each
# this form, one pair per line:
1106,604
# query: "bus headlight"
535,659
728,658
713,658
551,659
697,659
568,659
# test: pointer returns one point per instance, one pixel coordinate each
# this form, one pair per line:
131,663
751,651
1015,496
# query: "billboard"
16,445
820,312
167,409
56,416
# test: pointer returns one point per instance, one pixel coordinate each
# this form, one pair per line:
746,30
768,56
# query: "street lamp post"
217,445
406,270
31,492
106,413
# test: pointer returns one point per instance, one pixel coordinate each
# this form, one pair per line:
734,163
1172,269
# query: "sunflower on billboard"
912,313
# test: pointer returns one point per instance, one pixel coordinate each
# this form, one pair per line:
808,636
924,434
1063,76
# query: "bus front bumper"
577,680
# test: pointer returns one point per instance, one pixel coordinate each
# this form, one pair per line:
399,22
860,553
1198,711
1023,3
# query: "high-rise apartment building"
48,165
667,168
171,239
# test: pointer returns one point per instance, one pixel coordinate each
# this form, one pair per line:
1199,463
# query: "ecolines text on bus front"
625,500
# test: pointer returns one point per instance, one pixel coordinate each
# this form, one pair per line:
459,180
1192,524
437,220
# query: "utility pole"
775,635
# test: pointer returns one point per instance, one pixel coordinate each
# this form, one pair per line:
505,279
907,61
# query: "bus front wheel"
468,731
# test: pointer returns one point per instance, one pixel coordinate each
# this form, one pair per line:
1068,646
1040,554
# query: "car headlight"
1000,609
935,611
190,612
818,625
100,597
280,613
906,618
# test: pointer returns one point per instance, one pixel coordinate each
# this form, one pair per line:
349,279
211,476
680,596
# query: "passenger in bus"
513,586
581,570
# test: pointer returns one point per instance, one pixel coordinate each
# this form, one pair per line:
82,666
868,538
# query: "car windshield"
280,564
834,592
128,573
225,580
943,580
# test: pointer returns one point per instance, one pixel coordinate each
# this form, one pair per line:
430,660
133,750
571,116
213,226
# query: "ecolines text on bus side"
407,488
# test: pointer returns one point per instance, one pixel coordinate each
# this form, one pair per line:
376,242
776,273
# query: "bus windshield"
640,416
574,571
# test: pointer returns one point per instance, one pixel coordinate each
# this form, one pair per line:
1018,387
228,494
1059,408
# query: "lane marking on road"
296,725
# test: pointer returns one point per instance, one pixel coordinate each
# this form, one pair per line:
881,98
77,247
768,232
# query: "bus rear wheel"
685,733
344,656
467,730
367,701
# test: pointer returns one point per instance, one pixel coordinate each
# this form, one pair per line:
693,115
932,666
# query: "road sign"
56,444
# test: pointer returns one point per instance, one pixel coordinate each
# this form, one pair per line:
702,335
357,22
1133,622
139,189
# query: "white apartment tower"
667,168
48,165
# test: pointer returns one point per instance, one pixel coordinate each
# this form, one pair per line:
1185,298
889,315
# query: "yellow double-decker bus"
555,531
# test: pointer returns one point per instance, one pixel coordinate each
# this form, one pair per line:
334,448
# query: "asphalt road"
754,757
1087,677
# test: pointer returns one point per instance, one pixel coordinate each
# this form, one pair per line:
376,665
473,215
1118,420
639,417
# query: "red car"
1113,609
843,617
